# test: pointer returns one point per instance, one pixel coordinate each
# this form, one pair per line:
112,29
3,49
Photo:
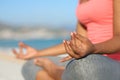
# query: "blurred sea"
15,66
7,45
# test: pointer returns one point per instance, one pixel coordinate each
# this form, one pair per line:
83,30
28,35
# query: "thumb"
36,61
66,59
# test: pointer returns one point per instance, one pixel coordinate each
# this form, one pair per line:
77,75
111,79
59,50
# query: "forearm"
52,51
60,49
109,46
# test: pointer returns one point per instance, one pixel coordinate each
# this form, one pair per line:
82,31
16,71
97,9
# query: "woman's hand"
81,45
30,52
78,47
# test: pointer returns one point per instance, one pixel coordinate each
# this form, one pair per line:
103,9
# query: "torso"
97,16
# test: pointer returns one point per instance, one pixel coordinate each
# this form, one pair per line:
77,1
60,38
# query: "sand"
10,67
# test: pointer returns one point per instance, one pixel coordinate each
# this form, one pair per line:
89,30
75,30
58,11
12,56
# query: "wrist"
95,49
36,53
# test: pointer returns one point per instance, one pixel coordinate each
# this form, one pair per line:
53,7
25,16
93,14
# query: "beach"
10,67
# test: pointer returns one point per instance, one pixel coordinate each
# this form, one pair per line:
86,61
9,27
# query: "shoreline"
11,58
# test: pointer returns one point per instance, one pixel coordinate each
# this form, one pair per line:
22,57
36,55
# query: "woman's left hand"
78,46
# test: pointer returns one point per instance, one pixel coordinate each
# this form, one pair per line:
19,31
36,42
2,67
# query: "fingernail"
75,32
61,60
71,33
63,41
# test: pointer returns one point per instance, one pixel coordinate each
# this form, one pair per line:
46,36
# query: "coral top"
97,16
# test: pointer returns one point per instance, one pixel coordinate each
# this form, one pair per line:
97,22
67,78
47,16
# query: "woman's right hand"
78,47
30,52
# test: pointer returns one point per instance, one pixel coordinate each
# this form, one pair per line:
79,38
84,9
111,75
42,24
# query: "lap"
92,67
30,70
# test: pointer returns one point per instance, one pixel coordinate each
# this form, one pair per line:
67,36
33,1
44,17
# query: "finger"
21,50
76,47
80,40
74,32
78,36
70,51
36,60
77,51
67,48
21,44
73,40
15,52
65,45
66,59
25,56
21,54
73,46
18,55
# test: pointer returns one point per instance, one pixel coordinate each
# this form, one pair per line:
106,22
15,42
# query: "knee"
29,70
91,67
26,68
92,59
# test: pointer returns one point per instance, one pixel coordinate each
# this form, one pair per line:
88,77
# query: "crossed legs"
50,70
45,69
92,67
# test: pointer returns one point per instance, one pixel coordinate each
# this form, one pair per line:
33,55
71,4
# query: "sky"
32,12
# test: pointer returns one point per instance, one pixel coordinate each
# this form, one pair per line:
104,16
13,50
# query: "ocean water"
14,68
6,46
35,43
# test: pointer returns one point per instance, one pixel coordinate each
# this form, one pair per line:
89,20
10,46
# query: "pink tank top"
97,16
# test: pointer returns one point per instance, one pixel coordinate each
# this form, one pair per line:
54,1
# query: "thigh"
92,67
30,70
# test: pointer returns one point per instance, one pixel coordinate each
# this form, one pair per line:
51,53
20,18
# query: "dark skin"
110,46
78,46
